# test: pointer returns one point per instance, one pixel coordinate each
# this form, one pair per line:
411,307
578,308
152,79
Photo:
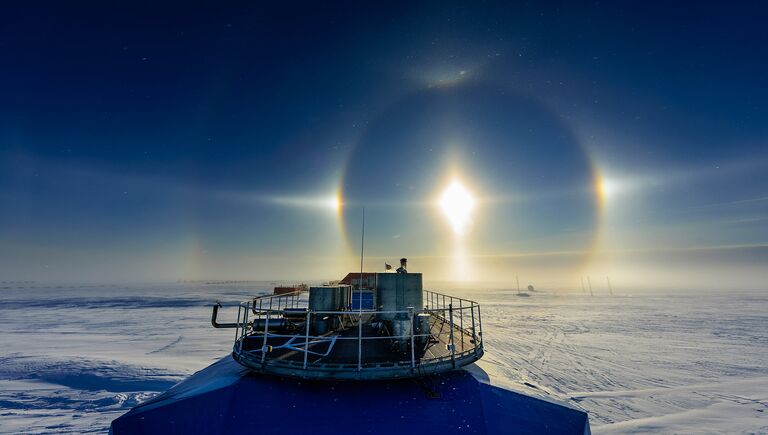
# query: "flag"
387,266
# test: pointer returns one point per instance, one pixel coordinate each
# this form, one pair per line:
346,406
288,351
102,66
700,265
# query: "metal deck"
356,349
335,355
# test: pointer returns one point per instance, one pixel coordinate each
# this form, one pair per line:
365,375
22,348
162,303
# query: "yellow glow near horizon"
457,203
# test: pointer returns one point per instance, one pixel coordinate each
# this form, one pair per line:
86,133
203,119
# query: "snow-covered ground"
72,358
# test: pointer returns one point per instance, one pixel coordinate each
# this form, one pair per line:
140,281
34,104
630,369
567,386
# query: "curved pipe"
220,325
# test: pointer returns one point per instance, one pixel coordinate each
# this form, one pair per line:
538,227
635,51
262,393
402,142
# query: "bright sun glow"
457,204
606,187
334,202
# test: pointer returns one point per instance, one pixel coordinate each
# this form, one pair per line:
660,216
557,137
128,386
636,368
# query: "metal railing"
453,338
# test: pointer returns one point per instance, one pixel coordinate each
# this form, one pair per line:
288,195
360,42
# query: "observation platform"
278,335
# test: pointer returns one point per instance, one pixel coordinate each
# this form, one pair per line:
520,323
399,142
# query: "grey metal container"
421,324
325,298
398,292
344,294
401,329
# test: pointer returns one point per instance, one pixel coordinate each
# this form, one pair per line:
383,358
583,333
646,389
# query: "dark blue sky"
145,141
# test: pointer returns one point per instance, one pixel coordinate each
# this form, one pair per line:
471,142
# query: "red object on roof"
367,277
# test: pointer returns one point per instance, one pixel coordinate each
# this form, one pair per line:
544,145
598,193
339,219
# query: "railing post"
360,337
453,346
244,331
240,323
480,322
461,323
306,341
474,336
413,348
237,329
264,343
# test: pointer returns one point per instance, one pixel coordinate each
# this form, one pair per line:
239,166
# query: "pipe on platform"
220,325
261,324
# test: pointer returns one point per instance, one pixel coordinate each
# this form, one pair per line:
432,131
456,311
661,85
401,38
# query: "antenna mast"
362,251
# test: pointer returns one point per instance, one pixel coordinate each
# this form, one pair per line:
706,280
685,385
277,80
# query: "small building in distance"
281,290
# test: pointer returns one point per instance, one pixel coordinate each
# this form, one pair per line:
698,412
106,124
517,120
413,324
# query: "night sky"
146,142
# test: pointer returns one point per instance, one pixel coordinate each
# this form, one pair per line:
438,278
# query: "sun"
457,203
334,202
607,187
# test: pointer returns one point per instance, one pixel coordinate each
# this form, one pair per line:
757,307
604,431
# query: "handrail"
294,297
215,314
461,337
366,312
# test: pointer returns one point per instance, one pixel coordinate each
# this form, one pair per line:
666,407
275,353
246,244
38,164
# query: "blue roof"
227,398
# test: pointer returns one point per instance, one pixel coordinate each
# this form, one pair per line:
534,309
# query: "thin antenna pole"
610,289
518,284
362,251
583,289
589,281
360,302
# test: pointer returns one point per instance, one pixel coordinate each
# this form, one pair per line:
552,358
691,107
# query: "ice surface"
75,357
